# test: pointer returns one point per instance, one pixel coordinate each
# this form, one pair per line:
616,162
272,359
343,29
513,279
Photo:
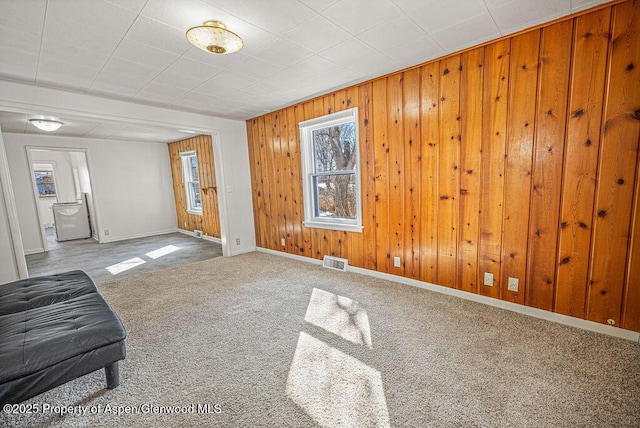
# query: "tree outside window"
330,166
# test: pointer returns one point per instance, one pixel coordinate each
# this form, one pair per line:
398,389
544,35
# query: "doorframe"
28,149
223,213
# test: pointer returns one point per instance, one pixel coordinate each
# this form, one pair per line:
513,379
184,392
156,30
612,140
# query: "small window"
45,183
330,169
191,180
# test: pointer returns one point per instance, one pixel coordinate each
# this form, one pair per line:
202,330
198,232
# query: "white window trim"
184,155
306,129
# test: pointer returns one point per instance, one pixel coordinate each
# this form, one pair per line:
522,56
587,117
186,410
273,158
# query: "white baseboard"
33,251
107,239
514,307
243,251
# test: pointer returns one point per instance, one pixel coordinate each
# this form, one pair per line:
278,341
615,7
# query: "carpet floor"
262,341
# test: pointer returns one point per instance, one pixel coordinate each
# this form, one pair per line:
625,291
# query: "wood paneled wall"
519,158
209,221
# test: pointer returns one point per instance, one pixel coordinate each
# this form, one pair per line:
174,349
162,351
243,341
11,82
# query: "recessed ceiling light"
213,36
46,124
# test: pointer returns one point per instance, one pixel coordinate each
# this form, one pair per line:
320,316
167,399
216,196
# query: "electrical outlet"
107,232
237,241
488,279
396,261
282,242
513,284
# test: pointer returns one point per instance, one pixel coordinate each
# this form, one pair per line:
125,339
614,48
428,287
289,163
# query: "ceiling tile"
17,38
317,34
194,69
132,5
18,64
319,5
415,52
356,16
184,14
92,40
358,56
128,70
73,54
96,14
519,14
276,19
234,79
433,15
65,74
217,87
139,52
159,93
283,53
184,82
112,87
158,35
477,29
399,30
23,14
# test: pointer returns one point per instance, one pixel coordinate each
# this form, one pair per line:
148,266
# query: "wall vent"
335,263
197,233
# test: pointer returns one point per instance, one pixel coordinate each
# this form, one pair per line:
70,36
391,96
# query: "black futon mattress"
53,329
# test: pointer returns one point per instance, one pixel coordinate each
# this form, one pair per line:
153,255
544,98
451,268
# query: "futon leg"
113,375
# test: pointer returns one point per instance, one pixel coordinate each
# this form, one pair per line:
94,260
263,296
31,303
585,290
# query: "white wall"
131,182
13,265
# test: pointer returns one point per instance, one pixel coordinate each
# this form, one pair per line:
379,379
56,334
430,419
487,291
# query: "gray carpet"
277,342
95,258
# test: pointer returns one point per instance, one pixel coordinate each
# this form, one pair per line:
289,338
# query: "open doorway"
63,195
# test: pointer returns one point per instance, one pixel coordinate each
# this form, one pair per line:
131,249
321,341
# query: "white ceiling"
136,50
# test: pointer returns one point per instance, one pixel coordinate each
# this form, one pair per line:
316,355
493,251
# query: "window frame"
187,179
308,172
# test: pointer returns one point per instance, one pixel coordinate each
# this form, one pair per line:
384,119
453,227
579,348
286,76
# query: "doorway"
62,190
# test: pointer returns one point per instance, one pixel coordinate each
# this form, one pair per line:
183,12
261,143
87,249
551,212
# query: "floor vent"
335,263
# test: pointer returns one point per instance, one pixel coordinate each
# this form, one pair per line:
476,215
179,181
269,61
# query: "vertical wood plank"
448,174
471,88
412,168
496,75
555,58
367,164
272,221
430,129
617,167
590,41
523,80
295,165
381,168
396,173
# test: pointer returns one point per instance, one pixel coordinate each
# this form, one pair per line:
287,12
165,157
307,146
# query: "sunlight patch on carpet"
339,315
335,389
156,254
125,265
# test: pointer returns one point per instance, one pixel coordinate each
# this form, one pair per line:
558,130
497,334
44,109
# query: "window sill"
334,226
195,212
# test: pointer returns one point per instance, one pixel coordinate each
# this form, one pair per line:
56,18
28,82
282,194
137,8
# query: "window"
191,180
330,171
45,183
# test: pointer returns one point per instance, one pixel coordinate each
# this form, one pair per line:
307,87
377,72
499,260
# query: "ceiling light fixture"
213,36
46,124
